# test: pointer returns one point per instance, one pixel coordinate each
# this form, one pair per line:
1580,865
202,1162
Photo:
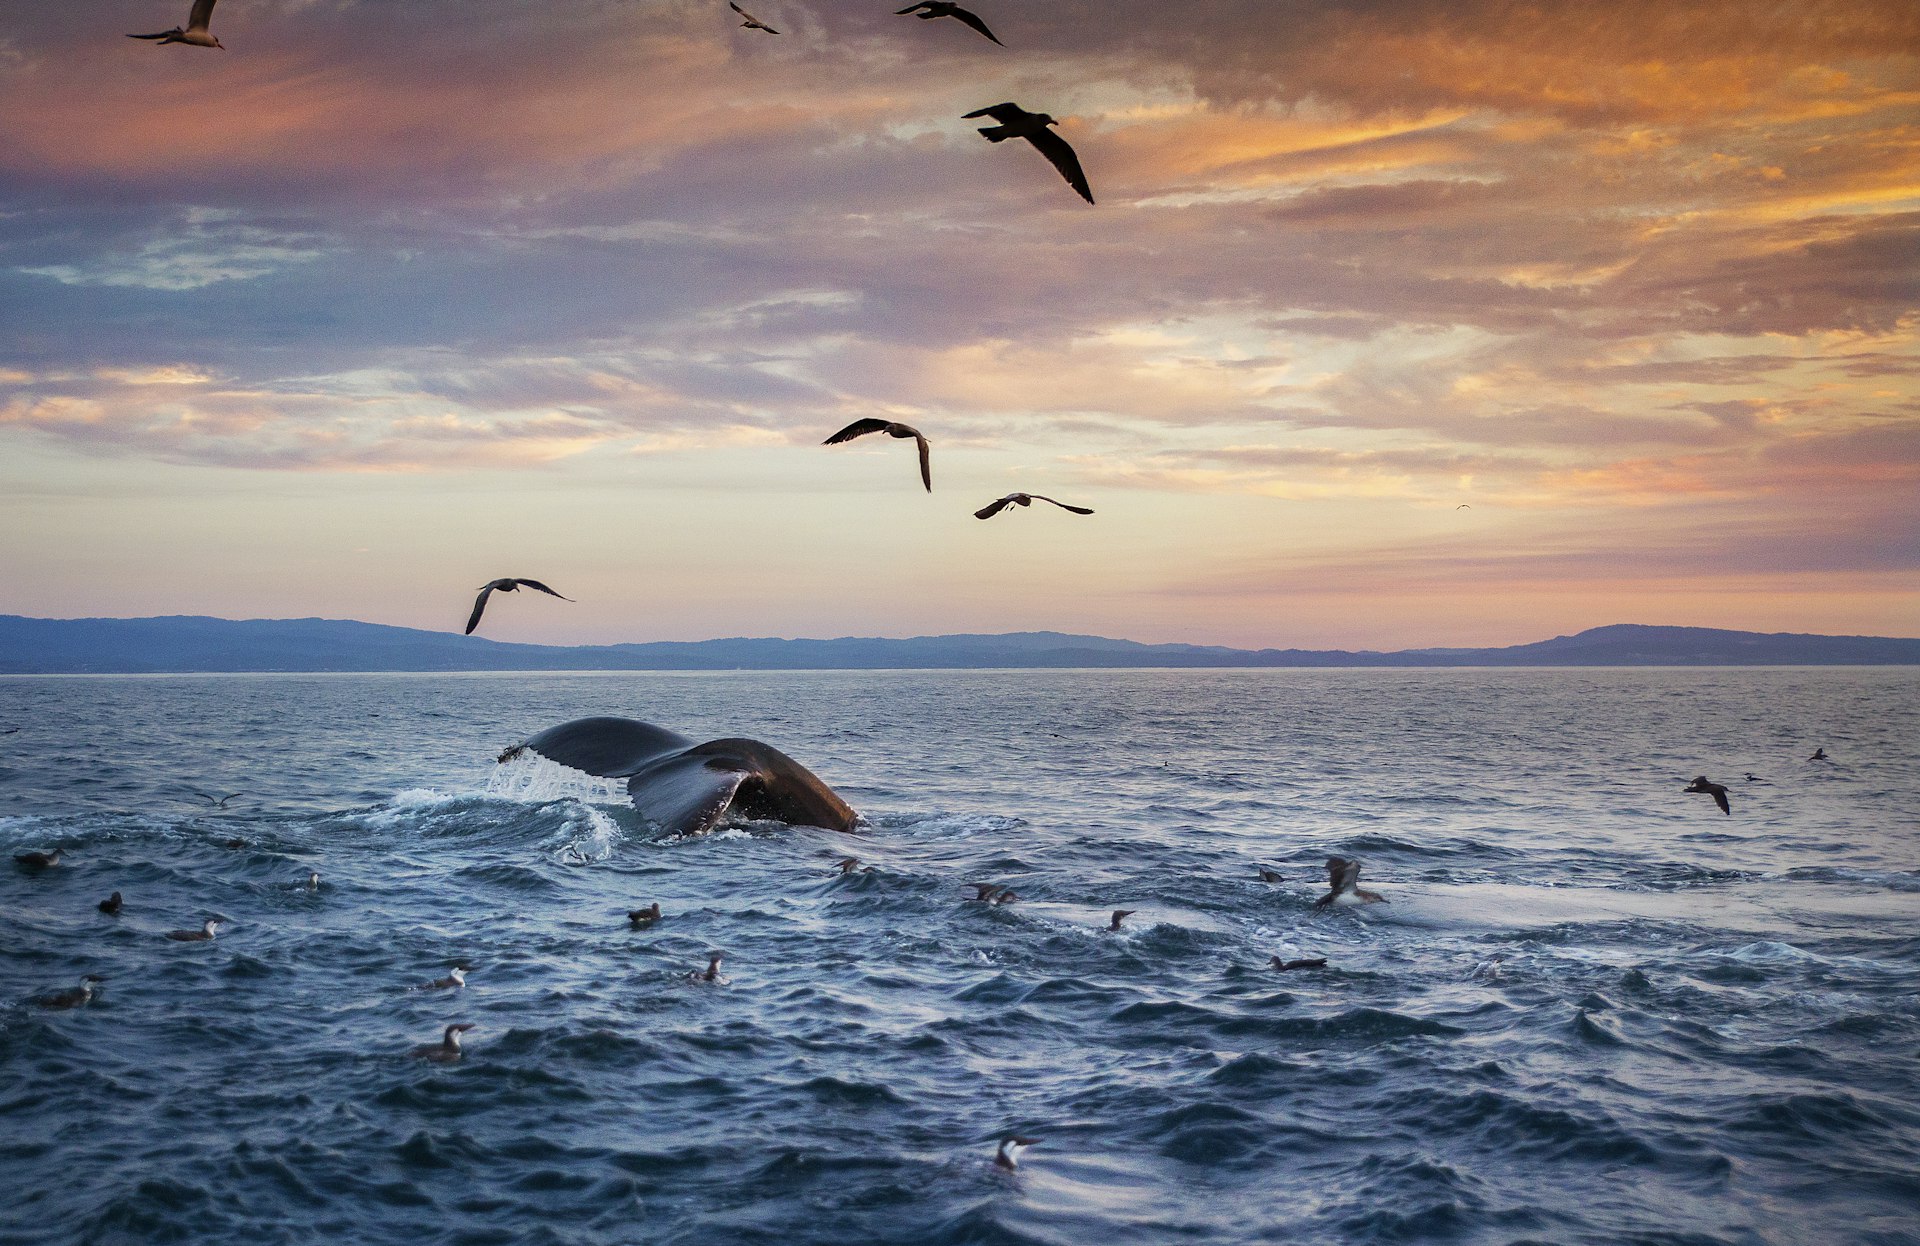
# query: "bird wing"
974,21
1078,510
202,14
912,8
993,508
926,463
163,34
479,604
859,428
1003,113
543,588
1720,799
1056,150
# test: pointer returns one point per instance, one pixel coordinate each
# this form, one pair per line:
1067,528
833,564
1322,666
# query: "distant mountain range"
182,643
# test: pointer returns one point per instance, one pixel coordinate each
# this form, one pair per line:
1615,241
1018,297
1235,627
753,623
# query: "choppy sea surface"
1594,1010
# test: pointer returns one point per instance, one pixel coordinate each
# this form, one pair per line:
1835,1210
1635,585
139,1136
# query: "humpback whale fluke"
1715,790
687,788
1343,879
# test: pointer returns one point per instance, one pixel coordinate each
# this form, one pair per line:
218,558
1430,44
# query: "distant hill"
191,643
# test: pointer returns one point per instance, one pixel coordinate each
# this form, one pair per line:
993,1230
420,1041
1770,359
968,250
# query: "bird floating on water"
202,935
640,919
1271,876
1819,754
751,22
39,860
1024,499
847,865
1716,790
1008,1156
927,10
711,973
196,32
1754,778
1286,966
1017,122
1118,914
507,585
78,997
313,880
455,980
447,1050
860,428
111,905
991,893
1343,877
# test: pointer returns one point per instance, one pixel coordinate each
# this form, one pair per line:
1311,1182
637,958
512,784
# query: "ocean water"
1594,1010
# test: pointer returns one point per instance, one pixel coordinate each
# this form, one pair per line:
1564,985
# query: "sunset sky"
395,296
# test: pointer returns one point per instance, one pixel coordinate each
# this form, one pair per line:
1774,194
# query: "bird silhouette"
508,585
927,10
1024,499
751,22
1715,790
1017,122
860,428
196,32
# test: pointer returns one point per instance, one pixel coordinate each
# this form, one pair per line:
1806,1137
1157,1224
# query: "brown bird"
1117,915
927,10
1343,876
640,919
202,935
847,865
1715,790
1024,499
196,32
111,905
1017,122
710,974
860,428
508,585
447,1050
79,997
1284,965
1270,876
39,860
990,893
752,22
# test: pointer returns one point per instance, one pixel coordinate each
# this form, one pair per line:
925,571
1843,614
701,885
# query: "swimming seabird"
1024,499
1754,778
313,880
1343,876
1117,915
711,973
927,10
507,585
847,865
1017,122
455,980
79,997
1715,790
1008,1156
39,860
9,731
860,428
1318,962
752,22
1271,876
1819,754
196,32
447,1050
991,893
640,919
201,935
111,905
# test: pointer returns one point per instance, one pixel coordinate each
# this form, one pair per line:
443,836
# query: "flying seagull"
508,585
860,428
1715,790
751,22
196,32
1819,754
1024,499
1017,122
927,10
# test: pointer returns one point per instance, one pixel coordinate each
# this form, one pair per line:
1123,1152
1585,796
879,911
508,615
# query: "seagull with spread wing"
927,10
860,428
196,32
509,585
1024,499
751,22
1017,122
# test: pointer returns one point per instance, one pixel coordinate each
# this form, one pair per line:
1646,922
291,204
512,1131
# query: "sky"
1397,322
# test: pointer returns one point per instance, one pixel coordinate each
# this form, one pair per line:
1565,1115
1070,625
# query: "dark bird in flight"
1271,876
508,585
196,32
79,997
860,428
1715,790
1318,962
640,919
1024,499
1819,754
1017,122
751,22
1343,877
927,10
1463,507
1117,915
39,860
111,905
